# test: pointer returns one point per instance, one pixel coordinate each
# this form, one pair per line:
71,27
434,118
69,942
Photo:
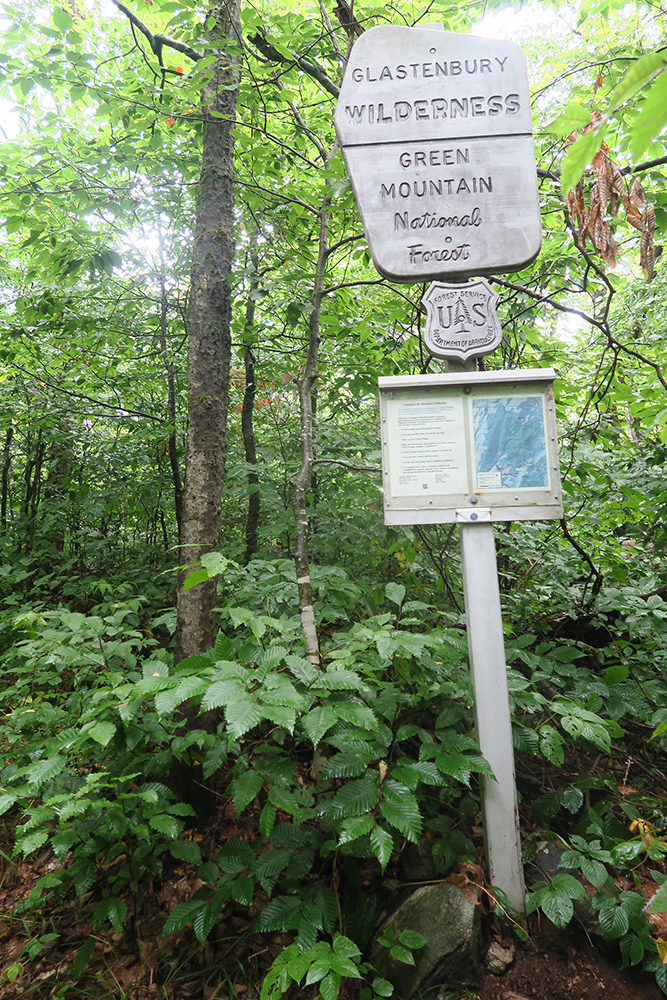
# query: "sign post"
436,132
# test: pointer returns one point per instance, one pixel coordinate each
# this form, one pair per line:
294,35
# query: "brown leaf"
637,193
633,214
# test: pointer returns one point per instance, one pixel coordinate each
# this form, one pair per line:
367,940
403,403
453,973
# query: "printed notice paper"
427,446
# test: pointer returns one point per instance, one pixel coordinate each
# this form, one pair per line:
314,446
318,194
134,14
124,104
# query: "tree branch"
352,468
310,68
156,42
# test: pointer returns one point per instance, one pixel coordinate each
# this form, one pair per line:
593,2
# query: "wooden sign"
436,133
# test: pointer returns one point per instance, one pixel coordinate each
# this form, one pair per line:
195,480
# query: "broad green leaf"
400,808
395,592
186,850
355,798
192,579
6,802
343,946
182,915
329,986
401,954
102,732
244,789
412,939
640,73
224,648
83,957
383,987
613,920
354,827
242,715
558,909
578,155
616,674
382,844
658,903
575,116
166,824
652,117
318,722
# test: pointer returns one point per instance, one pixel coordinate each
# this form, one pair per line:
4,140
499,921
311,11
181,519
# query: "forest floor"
38,946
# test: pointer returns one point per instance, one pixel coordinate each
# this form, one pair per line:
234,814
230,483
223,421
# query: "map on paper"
509,442
427,446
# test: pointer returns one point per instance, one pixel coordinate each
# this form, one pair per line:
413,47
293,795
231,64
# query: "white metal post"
492,711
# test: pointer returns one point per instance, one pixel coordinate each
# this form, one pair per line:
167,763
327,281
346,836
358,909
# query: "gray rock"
416,862
451,925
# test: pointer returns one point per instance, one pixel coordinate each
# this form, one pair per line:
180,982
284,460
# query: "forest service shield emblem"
461,320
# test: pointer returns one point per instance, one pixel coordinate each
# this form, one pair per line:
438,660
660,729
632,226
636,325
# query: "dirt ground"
564,965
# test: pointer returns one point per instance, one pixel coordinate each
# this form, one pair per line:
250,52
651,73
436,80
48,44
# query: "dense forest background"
191,336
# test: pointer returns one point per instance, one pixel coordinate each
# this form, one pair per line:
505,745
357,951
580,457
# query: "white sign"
469,439
461,320
436,133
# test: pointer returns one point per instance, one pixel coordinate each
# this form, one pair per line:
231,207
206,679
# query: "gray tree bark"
209,339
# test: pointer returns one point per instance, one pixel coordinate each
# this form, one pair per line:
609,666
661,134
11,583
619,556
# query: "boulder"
451,925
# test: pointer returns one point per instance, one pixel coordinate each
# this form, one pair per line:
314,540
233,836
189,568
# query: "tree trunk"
171,409
248,431
247,428
6,460
209,339
305,387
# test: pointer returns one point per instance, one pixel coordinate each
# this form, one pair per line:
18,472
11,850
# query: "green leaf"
329,986
116,912
595,872
640,73
267,818
6,802
318,722
382,844
551,745
243,890
558,909
244,789
616,674
395,592
44,770
356,797
412,939
652,117
280,914
186,850
575,116
82,958
182,915
224,647
192,579
166,824
578,155
343,946
658,904
267,867
383,987
400,808
102,732
613,920
401,954
242,716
